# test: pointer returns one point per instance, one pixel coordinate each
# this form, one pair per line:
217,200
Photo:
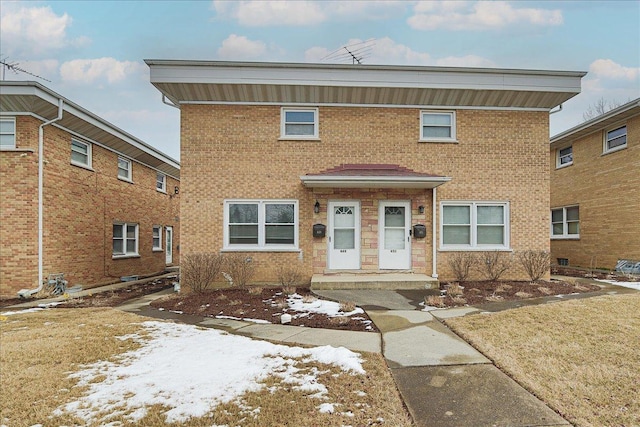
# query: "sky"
92,52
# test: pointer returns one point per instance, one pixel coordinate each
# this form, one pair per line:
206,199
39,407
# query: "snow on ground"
213,368
632,285
330,308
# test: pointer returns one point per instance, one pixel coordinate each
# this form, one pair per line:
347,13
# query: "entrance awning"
372,176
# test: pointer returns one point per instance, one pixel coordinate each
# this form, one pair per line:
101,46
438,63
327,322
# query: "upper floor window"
161,182
615,139
474,225
565,223
299,123
125,240
438,126
7,133
124,168
260,224
80,153
565,157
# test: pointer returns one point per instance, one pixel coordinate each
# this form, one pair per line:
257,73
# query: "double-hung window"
565,223
80,153
299,123
161,182
438,126
124,168
565,157
615,139
261,224
157,238
474,225
125,239
8,133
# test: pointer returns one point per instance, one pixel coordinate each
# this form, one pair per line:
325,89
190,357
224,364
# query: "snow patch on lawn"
632,285
192,370
330,308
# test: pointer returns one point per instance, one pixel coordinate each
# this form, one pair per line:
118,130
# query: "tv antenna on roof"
355,52
15,67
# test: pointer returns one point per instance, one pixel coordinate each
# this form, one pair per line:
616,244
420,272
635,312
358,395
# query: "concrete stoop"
386,281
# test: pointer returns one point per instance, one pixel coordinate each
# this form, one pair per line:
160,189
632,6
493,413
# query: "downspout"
24,293
434,228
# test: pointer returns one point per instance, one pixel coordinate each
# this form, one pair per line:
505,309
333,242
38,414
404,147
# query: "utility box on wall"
319,230
419,231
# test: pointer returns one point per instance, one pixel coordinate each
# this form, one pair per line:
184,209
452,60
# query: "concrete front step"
388,281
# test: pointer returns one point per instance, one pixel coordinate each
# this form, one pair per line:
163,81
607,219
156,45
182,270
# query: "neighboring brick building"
595,190
269,150
97,180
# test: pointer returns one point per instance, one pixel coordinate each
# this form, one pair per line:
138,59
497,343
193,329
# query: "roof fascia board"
372,181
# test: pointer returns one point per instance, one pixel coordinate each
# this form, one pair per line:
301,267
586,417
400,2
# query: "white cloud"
482,15
465,61
606,68
237,47
86,71
34,30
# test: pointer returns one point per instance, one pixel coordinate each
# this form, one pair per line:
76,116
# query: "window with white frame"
80,153
125,239
261,224
157,237
474,225
161,182
124,168
438,126
565,157
7,133
297,123
615,139
565,222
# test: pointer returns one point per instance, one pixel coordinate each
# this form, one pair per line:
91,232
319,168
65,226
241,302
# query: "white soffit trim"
323,181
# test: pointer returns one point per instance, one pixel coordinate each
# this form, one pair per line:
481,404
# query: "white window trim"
164,182
137,240
130,163
558,157
474,226
156,248
261,246
565,224
15,132
605,142
452,114
89,163
316,122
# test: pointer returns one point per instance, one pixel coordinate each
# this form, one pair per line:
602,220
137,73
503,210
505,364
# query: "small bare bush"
289,275
493,264
535,263
523,294
434,301
235,302
241,269
347,306
280,303
199,271
461,264
455,290
459,300
289,290
503,287
494,298
255,290
544,290
307,299
339,320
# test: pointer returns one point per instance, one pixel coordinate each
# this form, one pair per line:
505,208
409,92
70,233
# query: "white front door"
168,232
394,220
344,235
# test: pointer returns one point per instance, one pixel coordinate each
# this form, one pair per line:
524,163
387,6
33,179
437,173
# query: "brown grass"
455,290
581,357
255,290
347,306
41,349
434,301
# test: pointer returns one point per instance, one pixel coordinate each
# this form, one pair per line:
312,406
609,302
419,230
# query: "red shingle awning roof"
372,176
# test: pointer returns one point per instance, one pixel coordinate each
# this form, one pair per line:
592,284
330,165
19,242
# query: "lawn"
581,357
100,366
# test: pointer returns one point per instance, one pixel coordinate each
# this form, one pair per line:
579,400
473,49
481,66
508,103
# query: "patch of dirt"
262,303
591,274
482,292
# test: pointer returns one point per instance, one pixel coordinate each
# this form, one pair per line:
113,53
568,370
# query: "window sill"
17,150
161,191
125,180
566,165
474,249
438,141
157,250
245,249
299,138
613,150
125,256
565,237
80,165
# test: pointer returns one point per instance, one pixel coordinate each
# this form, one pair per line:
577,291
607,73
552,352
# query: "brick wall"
80,207
606,189
235,152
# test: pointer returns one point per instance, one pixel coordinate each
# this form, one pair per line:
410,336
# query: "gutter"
25,293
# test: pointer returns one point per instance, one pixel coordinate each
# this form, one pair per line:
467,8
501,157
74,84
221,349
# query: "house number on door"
343,250
393,251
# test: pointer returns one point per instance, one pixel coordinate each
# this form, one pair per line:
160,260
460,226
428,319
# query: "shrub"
199,271
255,290
434,301
241,269
535,263
455,290
493,264
347,306
461,264
289,290
288,275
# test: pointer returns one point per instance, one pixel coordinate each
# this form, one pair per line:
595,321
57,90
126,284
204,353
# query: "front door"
394,220
344,235
168,232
